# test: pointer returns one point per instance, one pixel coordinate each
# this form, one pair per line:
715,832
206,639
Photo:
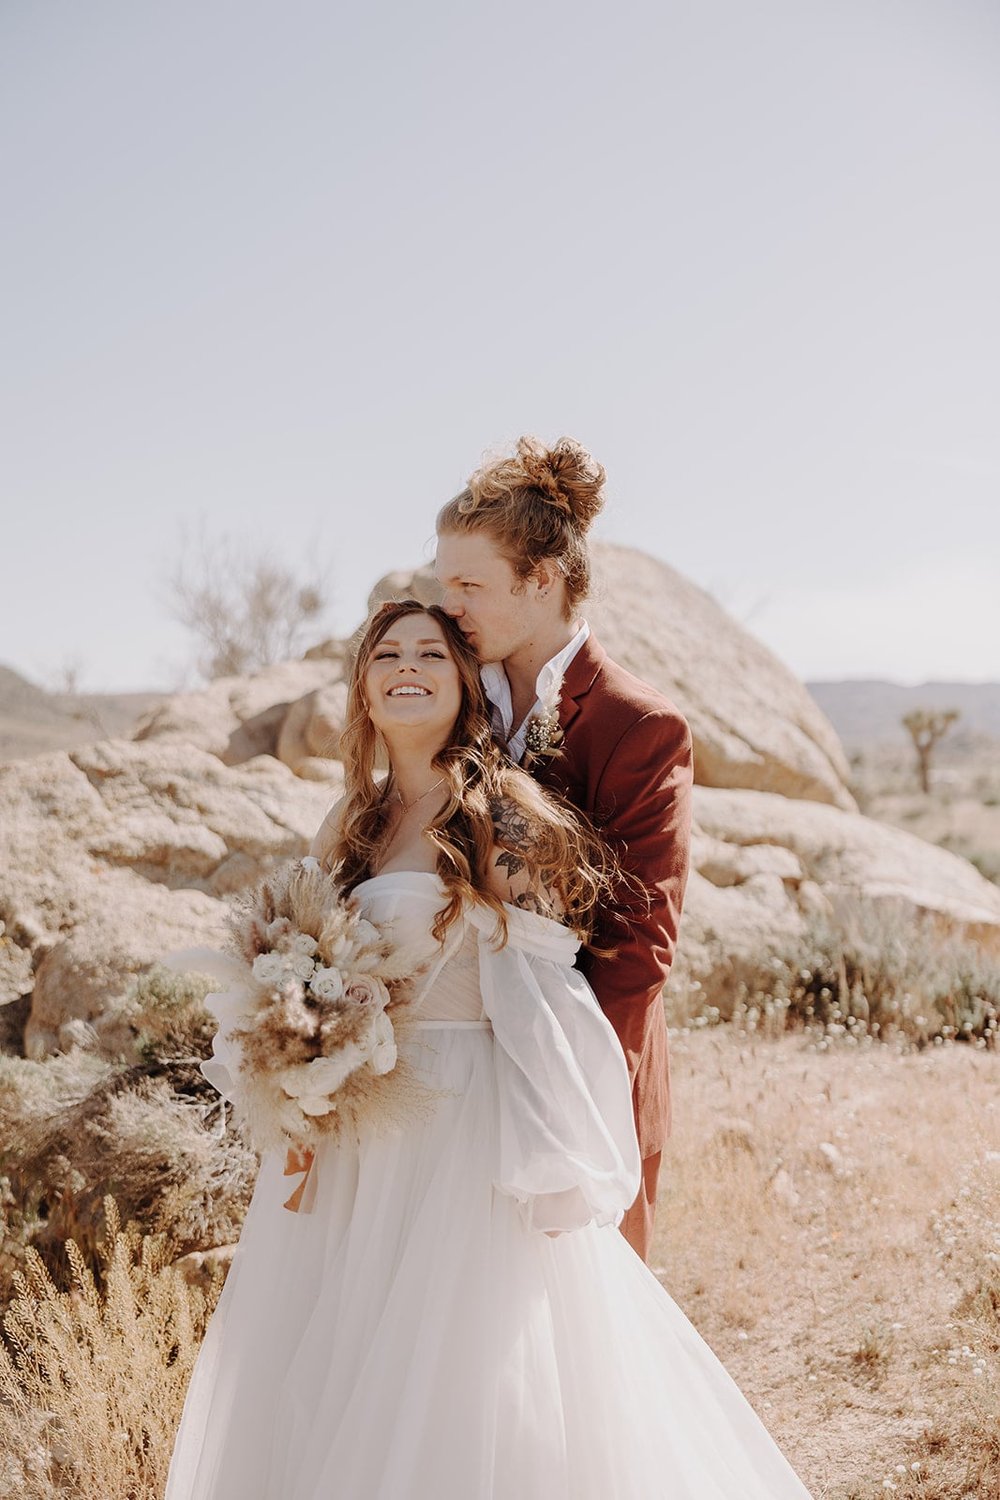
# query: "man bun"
566,475
538,504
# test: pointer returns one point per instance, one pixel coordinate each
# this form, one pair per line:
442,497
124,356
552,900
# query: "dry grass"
830,1221
92,1378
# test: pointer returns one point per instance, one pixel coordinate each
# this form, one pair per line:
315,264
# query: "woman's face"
412,682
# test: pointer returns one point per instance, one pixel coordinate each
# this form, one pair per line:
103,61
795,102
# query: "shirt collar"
497,687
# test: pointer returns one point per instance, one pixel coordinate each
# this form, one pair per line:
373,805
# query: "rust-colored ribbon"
300,1159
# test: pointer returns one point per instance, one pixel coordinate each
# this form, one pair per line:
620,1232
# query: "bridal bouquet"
310,1021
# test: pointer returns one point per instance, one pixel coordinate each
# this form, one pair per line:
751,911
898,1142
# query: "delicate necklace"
407,806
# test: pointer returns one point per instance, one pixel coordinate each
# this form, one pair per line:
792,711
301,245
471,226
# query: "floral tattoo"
517,837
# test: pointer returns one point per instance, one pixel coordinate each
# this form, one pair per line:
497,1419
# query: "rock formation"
762,866
115,853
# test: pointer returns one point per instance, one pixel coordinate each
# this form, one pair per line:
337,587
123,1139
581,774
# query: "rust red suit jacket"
626,762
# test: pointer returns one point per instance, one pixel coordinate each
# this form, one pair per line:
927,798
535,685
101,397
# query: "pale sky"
286,270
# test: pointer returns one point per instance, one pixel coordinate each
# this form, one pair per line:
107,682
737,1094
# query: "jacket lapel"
581,674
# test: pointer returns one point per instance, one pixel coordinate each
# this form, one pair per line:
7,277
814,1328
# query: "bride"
449,1313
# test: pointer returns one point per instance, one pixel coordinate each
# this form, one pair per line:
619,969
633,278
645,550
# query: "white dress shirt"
497,690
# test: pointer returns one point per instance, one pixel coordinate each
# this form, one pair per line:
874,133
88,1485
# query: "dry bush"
173,1030
130,1136
78,1126
245,610
868,969
93,1378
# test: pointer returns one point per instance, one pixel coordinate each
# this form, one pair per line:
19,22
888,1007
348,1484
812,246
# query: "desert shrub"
172,1027
30,1094
78,1127
74,1418
980,1306
133,1137
872,968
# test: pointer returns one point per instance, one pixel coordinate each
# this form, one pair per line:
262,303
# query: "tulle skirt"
411,1339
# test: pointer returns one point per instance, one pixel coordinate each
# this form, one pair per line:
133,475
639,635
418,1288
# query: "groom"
512,575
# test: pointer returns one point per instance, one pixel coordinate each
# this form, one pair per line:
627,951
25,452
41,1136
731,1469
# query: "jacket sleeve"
643,809
567,1148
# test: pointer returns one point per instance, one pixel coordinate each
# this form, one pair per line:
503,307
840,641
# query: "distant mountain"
865,713
33,720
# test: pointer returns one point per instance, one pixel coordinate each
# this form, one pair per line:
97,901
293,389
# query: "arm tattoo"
512,824
532,901
517,837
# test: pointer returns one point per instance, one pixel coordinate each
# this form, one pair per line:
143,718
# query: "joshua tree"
927,726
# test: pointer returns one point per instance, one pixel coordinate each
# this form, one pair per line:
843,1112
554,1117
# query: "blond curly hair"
538,505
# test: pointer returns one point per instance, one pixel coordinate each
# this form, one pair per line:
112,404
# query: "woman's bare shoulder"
327,835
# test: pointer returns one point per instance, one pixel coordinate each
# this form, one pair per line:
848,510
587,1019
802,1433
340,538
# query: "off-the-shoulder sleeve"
567,1144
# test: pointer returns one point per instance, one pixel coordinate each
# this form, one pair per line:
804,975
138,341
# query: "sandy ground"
829,1219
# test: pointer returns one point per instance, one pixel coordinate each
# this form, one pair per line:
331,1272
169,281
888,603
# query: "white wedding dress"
415,1335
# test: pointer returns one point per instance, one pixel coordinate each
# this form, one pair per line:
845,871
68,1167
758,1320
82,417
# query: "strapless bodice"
404,903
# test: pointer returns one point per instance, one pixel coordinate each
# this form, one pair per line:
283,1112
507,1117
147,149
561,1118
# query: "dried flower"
307,1043
544,733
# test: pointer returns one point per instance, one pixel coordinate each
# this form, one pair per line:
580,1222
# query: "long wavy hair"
563,851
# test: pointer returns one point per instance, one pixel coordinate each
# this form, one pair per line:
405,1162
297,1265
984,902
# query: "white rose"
327,984
383,1054
311,864
269,968
301,966
303,943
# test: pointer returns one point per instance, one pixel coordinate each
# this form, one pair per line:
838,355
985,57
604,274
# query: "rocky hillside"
114,851
33,720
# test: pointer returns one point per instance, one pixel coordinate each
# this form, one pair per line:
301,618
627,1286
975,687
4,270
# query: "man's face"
481,591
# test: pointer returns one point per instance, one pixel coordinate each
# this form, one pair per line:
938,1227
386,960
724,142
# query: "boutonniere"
545,733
